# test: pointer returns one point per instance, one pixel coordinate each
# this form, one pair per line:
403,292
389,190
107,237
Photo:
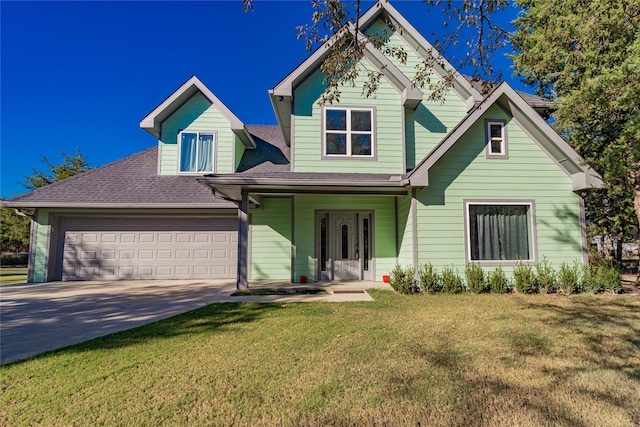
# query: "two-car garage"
146,247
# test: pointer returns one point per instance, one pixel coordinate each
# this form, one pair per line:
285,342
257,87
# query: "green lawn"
13,274
429,360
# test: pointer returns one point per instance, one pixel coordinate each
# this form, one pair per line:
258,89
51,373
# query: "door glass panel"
345,241
323,244
365,242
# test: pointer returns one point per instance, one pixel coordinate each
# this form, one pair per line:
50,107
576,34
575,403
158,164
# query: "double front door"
344,246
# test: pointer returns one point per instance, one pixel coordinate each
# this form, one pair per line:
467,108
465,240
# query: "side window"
496,139
500,232
348,132
196,152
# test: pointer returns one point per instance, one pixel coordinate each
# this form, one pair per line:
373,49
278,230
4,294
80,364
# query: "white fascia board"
282,108
152,123
413,37
561,152
584,181
106,205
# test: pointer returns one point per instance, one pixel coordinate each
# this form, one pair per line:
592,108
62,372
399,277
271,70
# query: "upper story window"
348,132
500,232
496,138
196,151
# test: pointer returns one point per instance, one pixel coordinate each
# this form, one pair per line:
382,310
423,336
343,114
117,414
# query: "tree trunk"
636,204
608,249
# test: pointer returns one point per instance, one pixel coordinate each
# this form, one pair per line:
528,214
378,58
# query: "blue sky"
83,73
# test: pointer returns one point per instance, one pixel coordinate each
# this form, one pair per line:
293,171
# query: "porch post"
243,238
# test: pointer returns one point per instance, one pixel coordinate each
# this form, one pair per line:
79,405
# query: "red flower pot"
385,279
303,279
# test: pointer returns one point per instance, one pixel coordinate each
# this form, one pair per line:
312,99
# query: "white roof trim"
282,95
582,176
464,88
152,123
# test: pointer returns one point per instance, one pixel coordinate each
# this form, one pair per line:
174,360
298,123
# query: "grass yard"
429,360
13,274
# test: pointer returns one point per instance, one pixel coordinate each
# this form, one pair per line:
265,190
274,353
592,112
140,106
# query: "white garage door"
149,248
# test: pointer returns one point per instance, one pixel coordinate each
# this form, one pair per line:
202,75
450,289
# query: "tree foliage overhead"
72,164
471,21
585,55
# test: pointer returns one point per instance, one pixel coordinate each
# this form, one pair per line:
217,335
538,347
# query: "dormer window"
196,151
348,132
496,131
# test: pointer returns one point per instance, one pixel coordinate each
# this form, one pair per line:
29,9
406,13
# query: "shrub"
498,281
430,280
14,259
611,278
451,281
402,279
569,277
545,276
476,279
601,277
524,279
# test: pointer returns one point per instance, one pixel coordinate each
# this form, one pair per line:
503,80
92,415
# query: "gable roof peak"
152,122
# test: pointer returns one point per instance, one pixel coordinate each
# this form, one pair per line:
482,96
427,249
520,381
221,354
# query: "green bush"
402,279
452,283
601,277
545,276
569,278
498,281
14,259
430,280
524,279
476,279
611,278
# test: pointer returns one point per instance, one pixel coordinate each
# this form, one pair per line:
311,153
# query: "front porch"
330,287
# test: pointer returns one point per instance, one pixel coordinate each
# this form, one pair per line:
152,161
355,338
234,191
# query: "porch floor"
328,286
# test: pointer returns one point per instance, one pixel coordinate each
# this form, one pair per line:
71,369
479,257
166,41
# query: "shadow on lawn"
215,318
608,332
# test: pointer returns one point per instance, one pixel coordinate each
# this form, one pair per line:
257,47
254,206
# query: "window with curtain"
348,132
499,232
196,151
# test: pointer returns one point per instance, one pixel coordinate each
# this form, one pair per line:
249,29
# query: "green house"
333,192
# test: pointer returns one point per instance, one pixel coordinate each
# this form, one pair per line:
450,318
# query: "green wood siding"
307,146
271,240
405,231
431,121
528,174
197,114
384,233
42,246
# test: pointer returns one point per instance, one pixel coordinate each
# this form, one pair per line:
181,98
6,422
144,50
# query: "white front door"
345,249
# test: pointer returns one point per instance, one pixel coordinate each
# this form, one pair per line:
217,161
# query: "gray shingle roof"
128,182
271,153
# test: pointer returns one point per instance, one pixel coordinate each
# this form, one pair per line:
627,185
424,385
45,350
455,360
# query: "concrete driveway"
35,318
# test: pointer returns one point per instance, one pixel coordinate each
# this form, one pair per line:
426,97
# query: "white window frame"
213,150
531,237
503,154
348,132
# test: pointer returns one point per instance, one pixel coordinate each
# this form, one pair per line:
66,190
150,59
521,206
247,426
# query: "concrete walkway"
35,318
